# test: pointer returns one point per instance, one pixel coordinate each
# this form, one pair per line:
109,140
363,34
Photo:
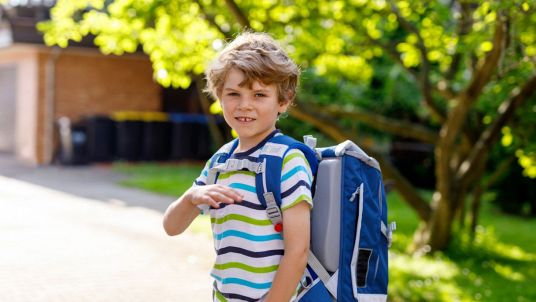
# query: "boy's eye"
259,95
233,94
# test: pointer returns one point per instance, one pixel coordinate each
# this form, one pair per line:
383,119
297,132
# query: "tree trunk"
215,132
434,234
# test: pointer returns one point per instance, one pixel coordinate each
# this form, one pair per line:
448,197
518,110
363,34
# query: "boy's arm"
296,234
180,214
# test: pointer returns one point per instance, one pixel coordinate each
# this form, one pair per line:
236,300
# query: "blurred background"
440,92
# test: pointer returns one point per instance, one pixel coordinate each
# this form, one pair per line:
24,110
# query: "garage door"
8,88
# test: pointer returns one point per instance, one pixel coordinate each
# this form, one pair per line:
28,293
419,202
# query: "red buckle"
278,227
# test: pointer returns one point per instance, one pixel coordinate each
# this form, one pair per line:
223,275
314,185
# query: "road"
72,234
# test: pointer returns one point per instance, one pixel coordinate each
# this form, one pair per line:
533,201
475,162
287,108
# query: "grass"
168,179
500,265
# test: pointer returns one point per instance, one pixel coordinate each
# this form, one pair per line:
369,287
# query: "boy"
255,81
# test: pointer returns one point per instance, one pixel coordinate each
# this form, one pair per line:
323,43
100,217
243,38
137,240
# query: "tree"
473,63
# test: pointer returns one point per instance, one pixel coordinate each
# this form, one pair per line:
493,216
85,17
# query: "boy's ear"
284,106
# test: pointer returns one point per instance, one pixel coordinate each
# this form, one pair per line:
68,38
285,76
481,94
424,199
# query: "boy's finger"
211,202
221,197
231,193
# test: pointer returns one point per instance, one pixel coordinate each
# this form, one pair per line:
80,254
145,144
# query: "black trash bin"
203,140
73,142
156,136
191,138
101,138
129,135
182,135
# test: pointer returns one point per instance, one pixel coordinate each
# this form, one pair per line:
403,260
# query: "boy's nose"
245,103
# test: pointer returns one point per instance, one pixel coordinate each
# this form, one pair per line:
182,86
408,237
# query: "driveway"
72,234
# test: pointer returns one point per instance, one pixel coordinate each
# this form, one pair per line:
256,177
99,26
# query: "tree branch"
237,12
464,27
212,20
330,127
485,72
390,49
424,74
456,117
381,123
503,167
491,134
217,137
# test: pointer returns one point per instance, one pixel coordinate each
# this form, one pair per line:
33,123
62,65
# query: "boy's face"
251,112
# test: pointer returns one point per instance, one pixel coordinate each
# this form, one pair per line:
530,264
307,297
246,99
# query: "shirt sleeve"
296,180
201,180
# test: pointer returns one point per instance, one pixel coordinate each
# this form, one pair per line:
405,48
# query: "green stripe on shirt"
219,296
300,198
245,267
229,174
242,218
292,156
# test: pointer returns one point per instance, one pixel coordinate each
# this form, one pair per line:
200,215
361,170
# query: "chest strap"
232,165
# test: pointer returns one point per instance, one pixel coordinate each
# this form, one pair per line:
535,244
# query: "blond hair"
261,59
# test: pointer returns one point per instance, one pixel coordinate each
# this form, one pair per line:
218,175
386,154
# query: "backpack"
348,259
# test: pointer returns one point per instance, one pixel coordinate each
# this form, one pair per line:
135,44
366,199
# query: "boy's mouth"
244,119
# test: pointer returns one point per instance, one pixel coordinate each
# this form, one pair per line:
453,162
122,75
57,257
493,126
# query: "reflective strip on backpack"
274,149
322,273
371,297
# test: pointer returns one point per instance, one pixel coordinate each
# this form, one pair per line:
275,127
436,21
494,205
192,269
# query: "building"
39,84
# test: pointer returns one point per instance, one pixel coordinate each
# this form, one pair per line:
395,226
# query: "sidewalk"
71,234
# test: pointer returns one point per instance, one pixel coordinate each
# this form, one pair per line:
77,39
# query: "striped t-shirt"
248,249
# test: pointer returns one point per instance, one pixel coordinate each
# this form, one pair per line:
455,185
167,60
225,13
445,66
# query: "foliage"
181,36
515,193
466,69
340,39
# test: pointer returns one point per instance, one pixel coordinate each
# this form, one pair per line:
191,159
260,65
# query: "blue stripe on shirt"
295,170
247,236
243,187
243,282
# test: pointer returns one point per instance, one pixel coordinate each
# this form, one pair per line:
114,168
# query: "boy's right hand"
213,195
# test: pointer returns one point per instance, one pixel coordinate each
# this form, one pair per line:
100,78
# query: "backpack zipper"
356,193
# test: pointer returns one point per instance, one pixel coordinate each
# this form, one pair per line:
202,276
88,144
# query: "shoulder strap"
220,157
272,155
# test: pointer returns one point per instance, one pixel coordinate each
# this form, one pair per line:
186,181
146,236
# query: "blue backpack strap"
268,182
220,157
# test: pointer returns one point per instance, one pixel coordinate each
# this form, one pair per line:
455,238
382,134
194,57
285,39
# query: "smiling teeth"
244,119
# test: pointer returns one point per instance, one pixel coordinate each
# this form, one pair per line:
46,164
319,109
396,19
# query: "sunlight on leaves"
215,108
507,272
507,137
486,46
528,161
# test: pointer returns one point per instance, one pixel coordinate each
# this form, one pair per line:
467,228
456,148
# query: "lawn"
499,266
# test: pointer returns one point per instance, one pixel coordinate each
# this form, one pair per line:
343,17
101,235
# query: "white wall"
25,88
8,88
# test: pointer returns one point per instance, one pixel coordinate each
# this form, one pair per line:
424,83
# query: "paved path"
71,234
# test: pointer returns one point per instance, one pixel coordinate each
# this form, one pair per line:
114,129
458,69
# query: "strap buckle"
387,231
273,211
